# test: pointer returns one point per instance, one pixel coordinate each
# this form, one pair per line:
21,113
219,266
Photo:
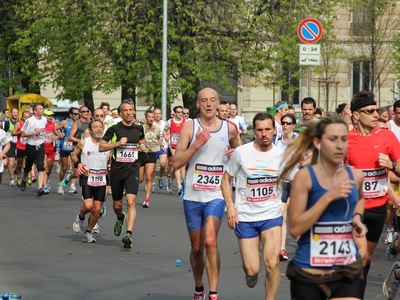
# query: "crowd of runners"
334,175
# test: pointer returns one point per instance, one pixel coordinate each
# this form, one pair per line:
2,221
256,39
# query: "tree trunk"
190,102
88,100
126,93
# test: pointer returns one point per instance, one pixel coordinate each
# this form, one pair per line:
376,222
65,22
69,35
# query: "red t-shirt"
363,154
174,131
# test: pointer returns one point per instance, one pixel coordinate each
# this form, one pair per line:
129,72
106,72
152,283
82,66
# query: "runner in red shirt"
375,151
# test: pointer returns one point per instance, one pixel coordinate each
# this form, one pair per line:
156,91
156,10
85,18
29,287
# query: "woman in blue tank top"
325,215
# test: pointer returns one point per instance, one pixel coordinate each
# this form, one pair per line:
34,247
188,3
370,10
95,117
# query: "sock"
88,231
212,293
199,289
128,231
121,218
80,218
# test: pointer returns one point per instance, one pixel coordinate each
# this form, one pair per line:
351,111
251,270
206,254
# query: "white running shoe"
88,237
12,182
60,189
97,228
77,225
72,189
389,237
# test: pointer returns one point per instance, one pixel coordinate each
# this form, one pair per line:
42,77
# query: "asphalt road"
42,258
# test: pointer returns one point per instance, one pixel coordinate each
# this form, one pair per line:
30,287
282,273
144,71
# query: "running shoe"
29,182
66,180
127,240
34,178
179,190
146,203
77,225
153,188
60,189
118,226
213,297
40,192
169,185
103,210
160,183
58,169
391,284
283,255
88,237
200,296
19,182
12,182
23,185
46,190
48,185
72,189
97,228
389,237
390,252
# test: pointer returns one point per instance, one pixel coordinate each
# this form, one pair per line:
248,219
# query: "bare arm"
26,134
227,194
75,154
16,130
57,129
72,133
301,219
107,146
5,150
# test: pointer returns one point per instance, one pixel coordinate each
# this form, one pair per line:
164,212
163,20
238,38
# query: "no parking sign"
309,30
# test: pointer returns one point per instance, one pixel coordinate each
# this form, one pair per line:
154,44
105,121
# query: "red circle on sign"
314,35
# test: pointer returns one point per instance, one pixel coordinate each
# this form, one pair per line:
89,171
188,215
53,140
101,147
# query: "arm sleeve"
109,133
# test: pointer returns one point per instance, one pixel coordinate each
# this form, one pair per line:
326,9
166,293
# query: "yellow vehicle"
22,102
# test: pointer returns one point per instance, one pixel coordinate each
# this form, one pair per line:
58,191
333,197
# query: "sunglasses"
370,111
287,123
76,114
98,116
84,111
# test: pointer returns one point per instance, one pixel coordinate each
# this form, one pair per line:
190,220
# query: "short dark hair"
176,107
291,116
340,108
4,111
308,100
71,110
396,104
105,104
261,116
318,111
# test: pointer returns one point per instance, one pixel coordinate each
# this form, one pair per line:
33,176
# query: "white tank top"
95,163
205,169
395,129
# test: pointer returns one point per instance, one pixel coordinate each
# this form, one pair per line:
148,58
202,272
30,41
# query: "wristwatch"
394,166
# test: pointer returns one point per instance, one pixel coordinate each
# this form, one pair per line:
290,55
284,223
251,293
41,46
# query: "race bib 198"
207,177
97,177
332,244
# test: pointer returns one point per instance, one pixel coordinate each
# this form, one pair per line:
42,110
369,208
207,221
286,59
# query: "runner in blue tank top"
325,215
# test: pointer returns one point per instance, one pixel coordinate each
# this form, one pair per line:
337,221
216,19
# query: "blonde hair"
304,142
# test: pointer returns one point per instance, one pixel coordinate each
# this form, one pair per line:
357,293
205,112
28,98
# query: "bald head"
207,93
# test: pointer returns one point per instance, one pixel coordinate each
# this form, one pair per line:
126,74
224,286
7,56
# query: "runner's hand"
232,217
123,141
202,136
341,189
384,161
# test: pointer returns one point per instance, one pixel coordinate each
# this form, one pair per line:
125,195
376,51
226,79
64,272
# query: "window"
361,25
361,77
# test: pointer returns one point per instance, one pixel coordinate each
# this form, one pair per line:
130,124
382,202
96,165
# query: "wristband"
77,163
360,215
